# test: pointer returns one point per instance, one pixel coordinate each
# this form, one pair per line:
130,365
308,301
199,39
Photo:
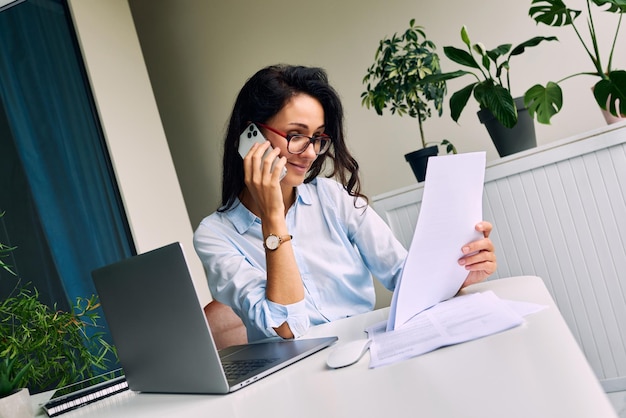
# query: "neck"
289,197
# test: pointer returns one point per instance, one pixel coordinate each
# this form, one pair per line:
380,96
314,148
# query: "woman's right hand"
262,182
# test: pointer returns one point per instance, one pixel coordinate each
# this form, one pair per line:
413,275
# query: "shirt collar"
303,193
241,217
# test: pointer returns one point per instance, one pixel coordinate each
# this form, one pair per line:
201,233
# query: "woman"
291,253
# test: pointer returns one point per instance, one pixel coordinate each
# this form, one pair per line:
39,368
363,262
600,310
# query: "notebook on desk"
163,338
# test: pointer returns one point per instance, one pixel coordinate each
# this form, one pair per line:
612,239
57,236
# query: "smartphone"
251,135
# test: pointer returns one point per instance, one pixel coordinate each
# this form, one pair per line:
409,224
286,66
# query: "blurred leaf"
615,6
519,49
498,100
610,93
544,102
553,13
465,36
460,56
458,101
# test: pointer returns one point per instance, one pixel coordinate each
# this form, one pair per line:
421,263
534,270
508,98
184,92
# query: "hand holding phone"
251,135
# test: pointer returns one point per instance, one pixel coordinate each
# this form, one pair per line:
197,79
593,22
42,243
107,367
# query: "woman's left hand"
479,258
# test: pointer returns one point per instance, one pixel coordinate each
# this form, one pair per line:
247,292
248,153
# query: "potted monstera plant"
43,348
393,81
506,119
610,90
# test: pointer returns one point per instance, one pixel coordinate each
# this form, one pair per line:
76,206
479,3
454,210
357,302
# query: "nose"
309,152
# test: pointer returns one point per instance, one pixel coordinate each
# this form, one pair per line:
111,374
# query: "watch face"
272,242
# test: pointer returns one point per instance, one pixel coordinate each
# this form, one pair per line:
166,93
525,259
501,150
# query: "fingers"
259,161
477,251
263,183
277,167
475,277
484,244
479,256
251,160
484,227
487,266
474,259
479,271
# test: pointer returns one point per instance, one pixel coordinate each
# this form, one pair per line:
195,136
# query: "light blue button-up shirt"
338,247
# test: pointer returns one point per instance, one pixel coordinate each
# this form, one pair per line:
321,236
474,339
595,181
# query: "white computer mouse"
345,354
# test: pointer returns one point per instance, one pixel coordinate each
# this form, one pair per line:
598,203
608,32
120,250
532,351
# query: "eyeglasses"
298,143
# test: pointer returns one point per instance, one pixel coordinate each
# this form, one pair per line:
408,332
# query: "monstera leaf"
544,102
611,93
553,13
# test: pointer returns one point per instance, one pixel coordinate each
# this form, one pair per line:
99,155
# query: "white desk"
535,370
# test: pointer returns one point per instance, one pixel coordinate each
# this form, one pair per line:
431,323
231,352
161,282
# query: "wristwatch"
273,241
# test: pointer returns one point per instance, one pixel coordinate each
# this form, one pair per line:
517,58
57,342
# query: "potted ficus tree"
610,90
509,125
43,348
394,81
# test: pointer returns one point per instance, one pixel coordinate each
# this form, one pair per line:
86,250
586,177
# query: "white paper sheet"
460,319
451,208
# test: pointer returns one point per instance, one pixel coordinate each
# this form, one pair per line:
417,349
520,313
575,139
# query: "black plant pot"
419,159
510,140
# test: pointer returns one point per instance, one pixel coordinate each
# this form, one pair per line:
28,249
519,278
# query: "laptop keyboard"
236,369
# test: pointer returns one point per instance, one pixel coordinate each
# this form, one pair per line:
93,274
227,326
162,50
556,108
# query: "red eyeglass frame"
288,137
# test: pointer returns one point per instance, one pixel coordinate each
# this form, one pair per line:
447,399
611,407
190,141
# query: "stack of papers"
424,313
453,321
452,205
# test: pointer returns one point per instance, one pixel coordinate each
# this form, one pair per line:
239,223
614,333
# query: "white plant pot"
608,116
17,405
610,119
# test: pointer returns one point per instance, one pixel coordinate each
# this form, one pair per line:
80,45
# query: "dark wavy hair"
262,97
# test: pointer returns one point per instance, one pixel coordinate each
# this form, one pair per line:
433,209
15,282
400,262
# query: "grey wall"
199,53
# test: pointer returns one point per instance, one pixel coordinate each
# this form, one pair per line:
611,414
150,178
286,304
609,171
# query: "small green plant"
10,378
610,90
492,88
394,79
44,348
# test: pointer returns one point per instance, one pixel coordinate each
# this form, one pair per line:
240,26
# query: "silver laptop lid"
158,325
161,333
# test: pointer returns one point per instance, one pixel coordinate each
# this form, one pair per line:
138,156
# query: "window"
57,189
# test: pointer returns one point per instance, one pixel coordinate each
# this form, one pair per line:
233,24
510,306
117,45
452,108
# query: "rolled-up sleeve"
294,314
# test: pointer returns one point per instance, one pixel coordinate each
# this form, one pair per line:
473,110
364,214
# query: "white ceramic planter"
609,118
17,405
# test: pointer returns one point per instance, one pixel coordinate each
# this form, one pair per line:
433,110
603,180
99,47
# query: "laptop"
163,338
